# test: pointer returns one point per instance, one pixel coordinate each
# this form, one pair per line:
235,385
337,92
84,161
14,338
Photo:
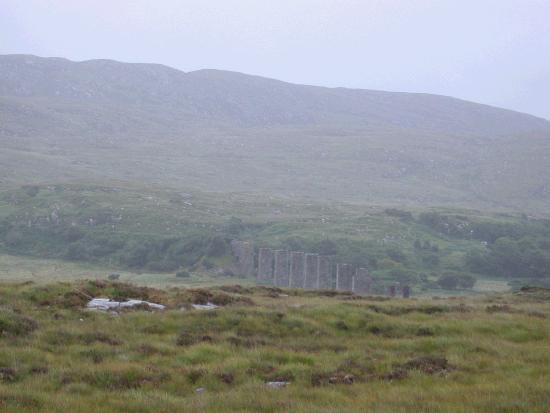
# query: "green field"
15,269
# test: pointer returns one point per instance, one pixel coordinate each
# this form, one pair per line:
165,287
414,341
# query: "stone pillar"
244,254
236,249
324,273
234,246
392,290
406,291
344,277
247,260
297,269
311,271
362,281
265,266
281,268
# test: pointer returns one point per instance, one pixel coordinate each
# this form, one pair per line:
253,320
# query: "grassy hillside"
102,122
168,231
238,99
485,354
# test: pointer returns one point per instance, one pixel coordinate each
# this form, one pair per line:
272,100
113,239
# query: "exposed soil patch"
249,342
7,375
396,374
194,375
186,338
236,289
428,365
348,372
321,379
98,337
270,291
227,378
203,297
499,308
429,309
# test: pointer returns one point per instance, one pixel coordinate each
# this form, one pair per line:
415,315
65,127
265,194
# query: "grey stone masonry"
248,259
244,253
362,281
311,271
392,290
265,266
406,290
281,268
296,269
236,248
324,273
344,277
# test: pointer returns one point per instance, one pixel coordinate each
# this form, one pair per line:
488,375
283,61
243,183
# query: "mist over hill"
102,120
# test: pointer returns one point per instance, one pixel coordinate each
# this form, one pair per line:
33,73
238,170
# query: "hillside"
220,96
159,231
102,120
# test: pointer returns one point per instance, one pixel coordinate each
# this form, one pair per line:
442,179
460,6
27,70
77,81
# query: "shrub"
217,247
15,324
451,281
76,252
207,264
327,247
394,212
396,254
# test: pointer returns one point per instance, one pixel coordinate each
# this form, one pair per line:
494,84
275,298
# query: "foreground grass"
340,353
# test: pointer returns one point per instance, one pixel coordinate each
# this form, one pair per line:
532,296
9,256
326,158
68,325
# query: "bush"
217,247
452,225
451,281
396,254
404,215
31,190
404,275
162,266
507,257
327,247
15,324
76,252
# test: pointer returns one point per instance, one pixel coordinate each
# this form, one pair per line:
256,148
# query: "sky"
489,51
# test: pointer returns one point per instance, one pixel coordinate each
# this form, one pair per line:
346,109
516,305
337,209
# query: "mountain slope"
213,95
106,121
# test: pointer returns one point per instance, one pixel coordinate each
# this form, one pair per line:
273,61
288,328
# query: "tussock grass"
482,354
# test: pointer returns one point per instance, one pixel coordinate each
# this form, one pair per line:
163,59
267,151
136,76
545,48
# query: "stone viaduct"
296,269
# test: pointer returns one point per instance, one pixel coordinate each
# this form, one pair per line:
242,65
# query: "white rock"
277,384
107,304
207,306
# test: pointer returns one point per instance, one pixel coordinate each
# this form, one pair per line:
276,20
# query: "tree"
327,247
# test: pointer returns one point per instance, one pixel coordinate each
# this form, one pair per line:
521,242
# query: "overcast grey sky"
489,51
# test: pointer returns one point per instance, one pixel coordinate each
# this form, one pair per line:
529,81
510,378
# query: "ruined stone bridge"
296,269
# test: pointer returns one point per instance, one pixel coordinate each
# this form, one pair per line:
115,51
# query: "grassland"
339,353
16,269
